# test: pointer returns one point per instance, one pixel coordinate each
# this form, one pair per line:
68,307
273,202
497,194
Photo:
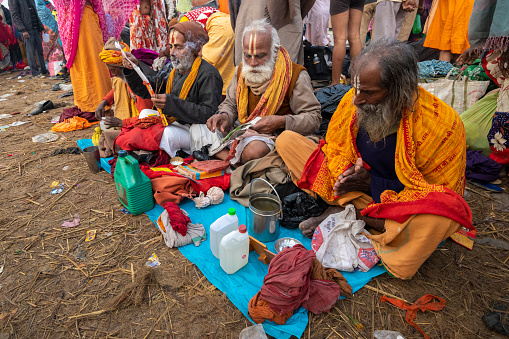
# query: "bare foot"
308,226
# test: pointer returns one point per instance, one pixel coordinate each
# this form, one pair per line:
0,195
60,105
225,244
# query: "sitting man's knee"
284,140
254,150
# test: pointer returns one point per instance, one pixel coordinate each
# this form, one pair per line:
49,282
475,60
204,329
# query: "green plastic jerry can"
133,186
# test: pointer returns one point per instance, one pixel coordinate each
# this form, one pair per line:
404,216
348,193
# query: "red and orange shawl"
430,161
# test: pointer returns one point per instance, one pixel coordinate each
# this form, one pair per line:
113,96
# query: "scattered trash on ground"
384,334
65,168
67,94
45,137
253,332
125,211
153,261
81,253
497,320
58,189
15,123
41,106
91,235
68,150
73,223
1,268
54,184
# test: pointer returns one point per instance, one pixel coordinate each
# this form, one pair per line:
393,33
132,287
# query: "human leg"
445,56
254,150
406,27
340,35
404,247
354,25
174,138
30,50
38,52
401,14
295,150
385,19
367,14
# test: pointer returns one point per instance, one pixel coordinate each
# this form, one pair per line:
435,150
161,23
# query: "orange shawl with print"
273,96
430,161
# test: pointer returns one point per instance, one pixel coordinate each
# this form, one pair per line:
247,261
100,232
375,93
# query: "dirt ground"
56,285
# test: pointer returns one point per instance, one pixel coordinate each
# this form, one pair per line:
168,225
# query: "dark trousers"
34,47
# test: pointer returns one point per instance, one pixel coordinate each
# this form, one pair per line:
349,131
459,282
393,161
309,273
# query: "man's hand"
99,111
468,57
126,63
113,122
218,121
159,100
269,124
409,5
26,36
356,178
504,64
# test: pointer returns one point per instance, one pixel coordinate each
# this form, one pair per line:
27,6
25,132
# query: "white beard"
259,74
184,63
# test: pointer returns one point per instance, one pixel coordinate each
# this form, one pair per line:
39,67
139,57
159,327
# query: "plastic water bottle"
221,227
103,124
316,63
234,250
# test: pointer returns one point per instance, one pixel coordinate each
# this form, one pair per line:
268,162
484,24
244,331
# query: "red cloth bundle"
178,220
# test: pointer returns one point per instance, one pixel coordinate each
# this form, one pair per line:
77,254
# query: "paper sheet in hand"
135,67
235,133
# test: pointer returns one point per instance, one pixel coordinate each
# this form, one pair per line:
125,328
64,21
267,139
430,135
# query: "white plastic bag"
339,243
460,93
45,137
195,232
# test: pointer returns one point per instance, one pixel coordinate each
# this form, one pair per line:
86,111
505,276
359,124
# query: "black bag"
318,69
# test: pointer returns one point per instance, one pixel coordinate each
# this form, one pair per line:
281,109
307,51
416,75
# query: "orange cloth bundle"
259,311
72,124
112,56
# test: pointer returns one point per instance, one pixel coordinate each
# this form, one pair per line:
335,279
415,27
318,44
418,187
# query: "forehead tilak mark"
252,43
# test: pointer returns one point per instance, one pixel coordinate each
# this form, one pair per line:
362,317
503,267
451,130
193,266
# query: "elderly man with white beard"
394,151
268,85
187,96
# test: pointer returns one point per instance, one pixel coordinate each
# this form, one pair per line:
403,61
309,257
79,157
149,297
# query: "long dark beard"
377,120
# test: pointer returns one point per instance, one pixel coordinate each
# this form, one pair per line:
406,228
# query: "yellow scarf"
272,99
188,83
430,149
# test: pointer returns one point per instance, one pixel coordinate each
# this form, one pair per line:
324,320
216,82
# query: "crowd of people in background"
30,36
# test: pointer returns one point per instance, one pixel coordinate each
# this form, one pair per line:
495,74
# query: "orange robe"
449,29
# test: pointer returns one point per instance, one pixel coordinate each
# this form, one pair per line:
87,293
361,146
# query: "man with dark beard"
394,151
187,96
270,86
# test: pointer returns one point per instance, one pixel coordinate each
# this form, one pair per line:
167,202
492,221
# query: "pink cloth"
113,14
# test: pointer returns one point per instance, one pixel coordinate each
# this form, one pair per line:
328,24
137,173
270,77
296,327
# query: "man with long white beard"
187,96
268,85
394,151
